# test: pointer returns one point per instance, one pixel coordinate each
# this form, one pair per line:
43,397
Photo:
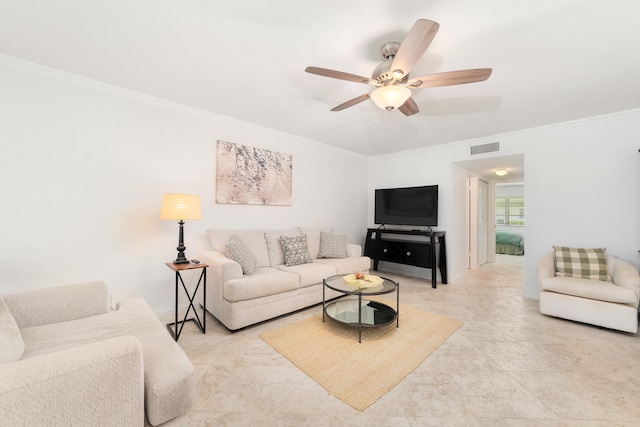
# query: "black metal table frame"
201,324
359,294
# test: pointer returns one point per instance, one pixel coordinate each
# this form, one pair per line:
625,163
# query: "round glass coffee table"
360,312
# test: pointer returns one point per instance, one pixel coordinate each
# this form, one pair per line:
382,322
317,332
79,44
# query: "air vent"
485,148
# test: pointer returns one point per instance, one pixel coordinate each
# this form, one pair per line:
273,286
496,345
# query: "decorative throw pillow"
333,245
240,253
274,244
295,250
11,343
313,239
586,263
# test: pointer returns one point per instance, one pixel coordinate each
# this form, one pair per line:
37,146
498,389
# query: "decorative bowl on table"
368,281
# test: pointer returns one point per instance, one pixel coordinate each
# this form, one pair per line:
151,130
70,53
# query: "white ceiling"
552,60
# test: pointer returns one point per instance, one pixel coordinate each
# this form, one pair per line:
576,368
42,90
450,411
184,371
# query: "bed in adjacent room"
509,243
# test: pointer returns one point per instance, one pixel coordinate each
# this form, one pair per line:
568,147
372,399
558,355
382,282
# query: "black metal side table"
200,323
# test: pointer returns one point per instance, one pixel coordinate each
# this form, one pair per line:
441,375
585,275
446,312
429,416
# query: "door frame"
473,232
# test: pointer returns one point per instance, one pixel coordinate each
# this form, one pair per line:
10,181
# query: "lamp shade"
391,96
181,207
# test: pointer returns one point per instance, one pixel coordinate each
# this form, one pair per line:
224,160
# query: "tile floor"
507,366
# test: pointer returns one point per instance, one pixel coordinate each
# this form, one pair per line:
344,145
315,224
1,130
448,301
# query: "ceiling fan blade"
409,108
414,45
351,102
451,78
337,75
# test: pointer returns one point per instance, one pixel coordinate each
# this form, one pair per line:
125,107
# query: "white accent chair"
611,305
66,358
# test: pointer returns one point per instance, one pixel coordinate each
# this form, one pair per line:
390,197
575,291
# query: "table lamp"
181,207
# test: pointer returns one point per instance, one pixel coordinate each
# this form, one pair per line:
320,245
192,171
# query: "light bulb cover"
390,97
501,172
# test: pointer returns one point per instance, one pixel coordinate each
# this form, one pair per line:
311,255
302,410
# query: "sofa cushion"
254,239
240,253
263,282
586,263
313,239
602,291
295,250
11,343
274,245
309,274
332,245
347,265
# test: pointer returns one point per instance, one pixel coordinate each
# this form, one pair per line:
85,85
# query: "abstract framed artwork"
252,176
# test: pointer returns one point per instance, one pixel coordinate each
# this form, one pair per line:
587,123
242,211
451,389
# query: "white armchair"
94,384
608,304
66,358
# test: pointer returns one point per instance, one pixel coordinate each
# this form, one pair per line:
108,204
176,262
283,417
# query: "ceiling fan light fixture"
501,172
391,77
390,97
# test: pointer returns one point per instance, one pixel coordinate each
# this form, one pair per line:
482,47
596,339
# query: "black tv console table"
424,249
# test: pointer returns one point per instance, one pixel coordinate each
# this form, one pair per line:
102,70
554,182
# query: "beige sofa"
610,304
68,359
272,289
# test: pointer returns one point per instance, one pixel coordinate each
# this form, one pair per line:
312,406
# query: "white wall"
84,167
582,186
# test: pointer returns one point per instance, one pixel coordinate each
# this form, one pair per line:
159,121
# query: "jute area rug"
360,373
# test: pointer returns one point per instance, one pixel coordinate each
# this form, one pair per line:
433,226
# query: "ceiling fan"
391,78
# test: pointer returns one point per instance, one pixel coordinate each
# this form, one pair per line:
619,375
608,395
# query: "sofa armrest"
353,250
94,384
625,274
58,304
546,267
221,268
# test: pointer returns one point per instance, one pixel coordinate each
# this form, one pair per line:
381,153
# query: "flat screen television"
407,206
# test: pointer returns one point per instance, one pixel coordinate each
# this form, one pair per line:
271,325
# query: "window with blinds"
510,210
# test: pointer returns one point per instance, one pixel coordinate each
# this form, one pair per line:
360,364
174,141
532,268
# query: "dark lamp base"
181,259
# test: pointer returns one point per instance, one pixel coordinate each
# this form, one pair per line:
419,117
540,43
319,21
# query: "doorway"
481,208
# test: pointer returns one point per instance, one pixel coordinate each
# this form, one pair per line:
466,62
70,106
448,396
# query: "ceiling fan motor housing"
389,50
383,74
